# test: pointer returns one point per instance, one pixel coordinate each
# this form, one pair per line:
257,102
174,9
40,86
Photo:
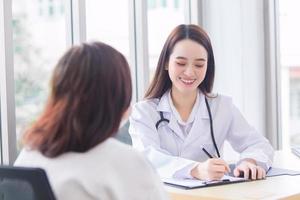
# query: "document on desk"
195,183
274,171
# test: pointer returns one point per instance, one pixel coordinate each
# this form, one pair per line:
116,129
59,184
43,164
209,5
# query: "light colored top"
184,126
174,154
109,171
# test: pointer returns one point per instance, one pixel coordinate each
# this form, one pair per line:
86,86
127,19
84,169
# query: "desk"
279,187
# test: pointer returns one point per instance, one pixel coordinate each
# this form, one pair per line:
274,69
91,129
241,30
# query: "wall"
236,28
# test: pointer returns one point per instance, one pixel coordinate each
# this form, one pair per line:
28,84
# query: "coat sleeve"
145,139
247,141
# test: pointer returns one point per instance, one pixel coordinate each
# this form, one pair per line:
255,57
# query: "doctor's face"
187,66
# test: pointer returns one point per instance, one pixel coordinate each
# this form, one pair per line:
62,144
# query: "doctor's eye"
180,63
199,66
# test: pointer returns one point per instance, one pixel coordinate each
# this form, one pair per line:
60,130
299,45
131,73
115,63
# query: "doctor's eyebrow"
184,58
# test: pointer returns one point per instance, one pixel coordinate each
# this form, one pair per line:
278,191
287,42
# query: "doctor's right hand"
211,169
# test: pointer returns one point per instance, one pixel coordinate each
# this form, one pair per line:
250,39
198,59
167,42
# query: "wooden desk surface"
279,187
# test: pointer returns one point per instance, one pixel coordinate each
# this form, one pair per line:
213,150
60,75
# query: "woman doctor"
181,126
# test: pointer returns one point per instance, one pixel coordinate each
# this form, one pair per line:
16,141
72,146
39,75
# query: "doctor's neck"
183,101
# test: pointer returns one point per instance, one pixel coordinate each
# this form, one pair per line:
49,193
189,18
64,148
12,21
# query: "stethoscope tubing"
212,128
162,119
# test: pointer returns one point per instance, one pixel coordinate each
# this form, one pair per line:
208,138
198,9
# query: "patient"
72,139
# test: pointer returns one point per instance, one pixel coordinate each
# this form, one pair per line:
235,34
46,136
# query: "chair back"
24,183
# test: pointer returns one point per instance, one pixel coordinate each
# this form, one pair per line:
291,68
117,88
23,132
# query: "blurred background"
256,46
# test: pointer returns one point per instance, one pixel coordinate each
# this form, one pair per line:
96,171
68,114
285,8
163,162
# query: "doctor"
181,126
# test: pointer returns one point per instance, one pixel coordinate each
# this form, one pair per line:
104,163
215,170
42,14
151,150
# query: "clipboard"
226,179
195,183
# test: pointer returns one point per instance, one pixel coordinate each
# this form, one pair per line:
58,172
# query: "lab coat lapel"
165,107
173,125
200,128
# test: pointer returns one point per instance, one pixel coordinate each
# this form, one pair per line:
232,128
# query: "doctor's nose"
189,71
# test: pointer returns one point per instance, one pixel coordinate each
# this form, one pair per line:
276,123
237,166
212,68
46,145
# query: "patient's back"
111,170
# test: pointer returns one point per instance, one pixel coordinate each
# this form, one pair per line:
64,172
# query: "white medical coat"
174,155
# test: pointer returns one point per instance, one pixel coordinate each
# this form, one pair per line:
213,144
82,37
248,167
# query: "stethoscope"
162,119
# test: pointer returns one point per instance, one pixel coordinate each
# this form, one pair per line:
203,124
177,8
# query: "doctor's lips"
187,81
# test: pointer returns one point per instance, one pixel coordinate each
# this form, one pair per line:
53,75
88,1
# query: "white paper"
192,183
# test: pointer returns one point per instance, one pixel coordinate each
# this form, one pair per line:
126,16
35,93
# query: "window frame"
273,74
8,121
76,33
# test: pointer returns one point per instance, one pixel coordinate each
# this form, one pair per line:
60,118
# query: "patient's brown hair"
90,91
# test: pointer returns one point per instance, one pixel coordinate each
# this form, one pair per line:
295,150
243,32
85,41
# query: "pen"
208,154
216,181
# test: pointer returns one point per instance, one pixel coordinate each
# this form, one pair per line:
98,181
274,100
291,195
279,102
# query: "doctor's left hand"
250,170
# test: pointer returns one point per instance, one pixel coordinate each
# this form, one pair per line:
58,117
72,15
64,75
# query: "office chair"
24,183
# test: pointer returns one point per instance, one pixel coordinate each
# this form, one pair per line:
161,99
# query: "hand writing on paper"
211,169
249,170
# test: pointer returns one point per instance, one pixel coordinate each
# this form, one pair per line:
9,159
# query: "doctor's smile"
187,81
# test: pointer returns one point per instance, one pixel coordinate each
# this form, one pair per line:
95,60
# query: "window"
289,32
163,16
39,40
108,22
0,136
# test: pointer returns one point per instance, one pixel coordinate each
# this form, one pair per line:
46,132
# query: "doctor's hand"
211,169
249,170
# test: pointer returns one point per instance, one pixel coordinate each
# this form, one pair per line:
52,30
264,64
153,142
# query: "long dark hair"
90,91
161,81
